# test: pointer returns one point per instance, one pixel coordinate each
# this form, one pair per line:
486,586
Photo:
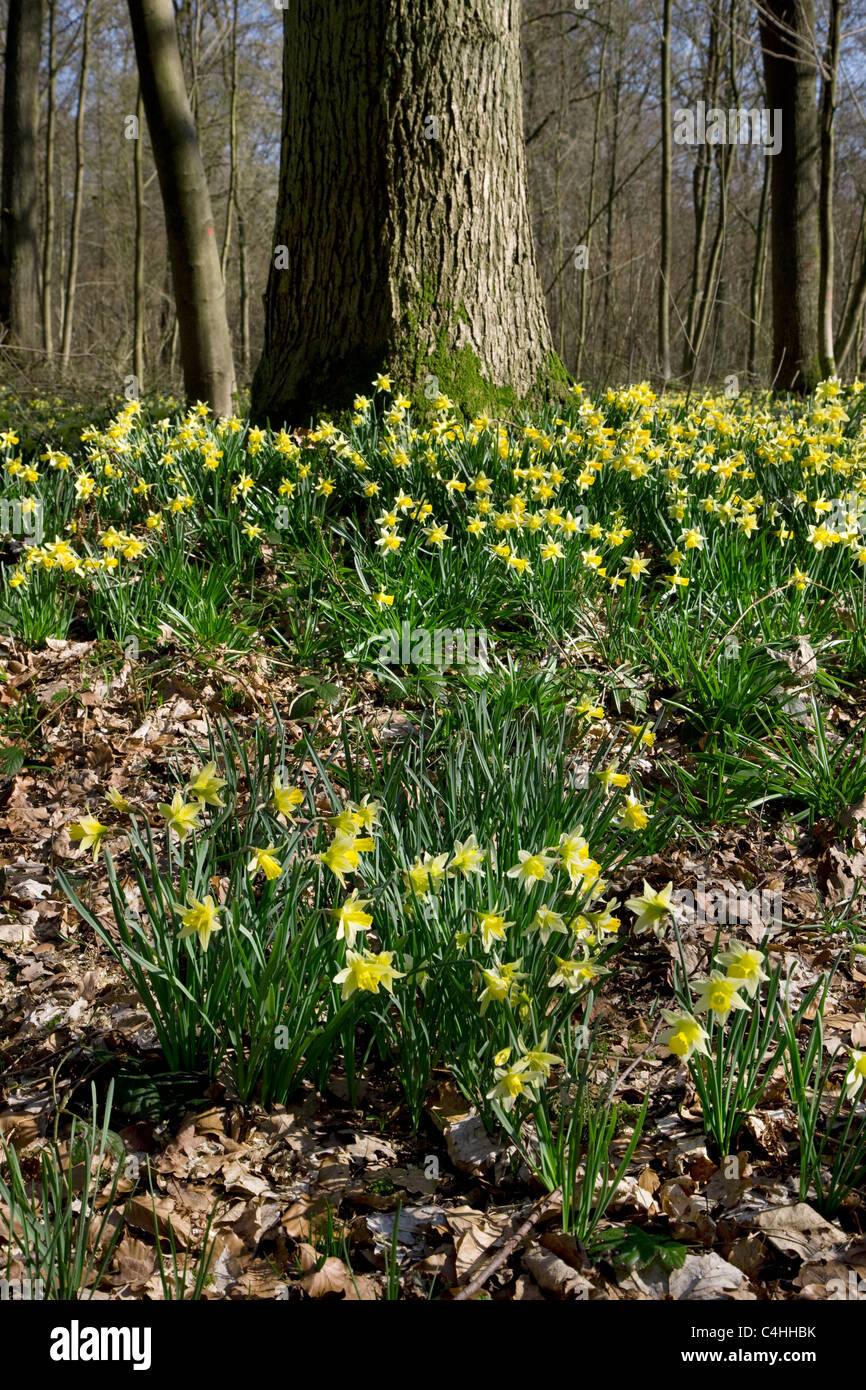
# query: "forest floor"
336,965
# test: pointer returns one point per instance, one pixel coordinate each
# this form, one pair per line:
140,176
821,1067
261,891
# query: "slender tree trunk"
828,161
609,240
198,286
243,286
701,195
664,314
233,141
19,219
787,38
759,272
850,329
48,231
402,207
583,300
138,291
77,194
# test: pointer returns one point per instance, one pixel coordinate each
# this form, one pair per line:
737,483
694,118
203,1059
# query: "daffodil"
492,926
538,1061
284,797
426,874
720,994
467,857
181,816
546,921
511,1082
632,814
205,785
651,908
342,855
573,975
365,971
118,801
200,918
264,861
90,832
745,965
352,918
684,1036
856,1076
531,869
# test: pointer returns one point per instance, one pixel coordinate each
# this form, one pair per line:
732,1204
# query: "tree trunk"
402,207
19,221
199,294
787,39
828,161
759,271
138,295
48,231
666,202
75,229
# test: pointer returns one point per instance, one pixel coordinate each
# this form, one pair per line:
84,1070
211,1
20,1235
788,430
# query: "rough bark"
19,218
198,284
402,205
787,40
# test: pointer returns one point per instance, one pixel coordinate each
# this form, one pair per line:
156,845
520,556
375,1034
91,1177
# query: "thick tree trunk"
402,207
787,39
198,285
19,220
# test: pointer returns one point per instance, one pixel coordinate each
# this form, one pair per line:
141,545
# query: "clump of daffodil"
651,909
90,832
366,971
204,786
181,816
352,918
685,1036
265,861
719,994
745,965
200,918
